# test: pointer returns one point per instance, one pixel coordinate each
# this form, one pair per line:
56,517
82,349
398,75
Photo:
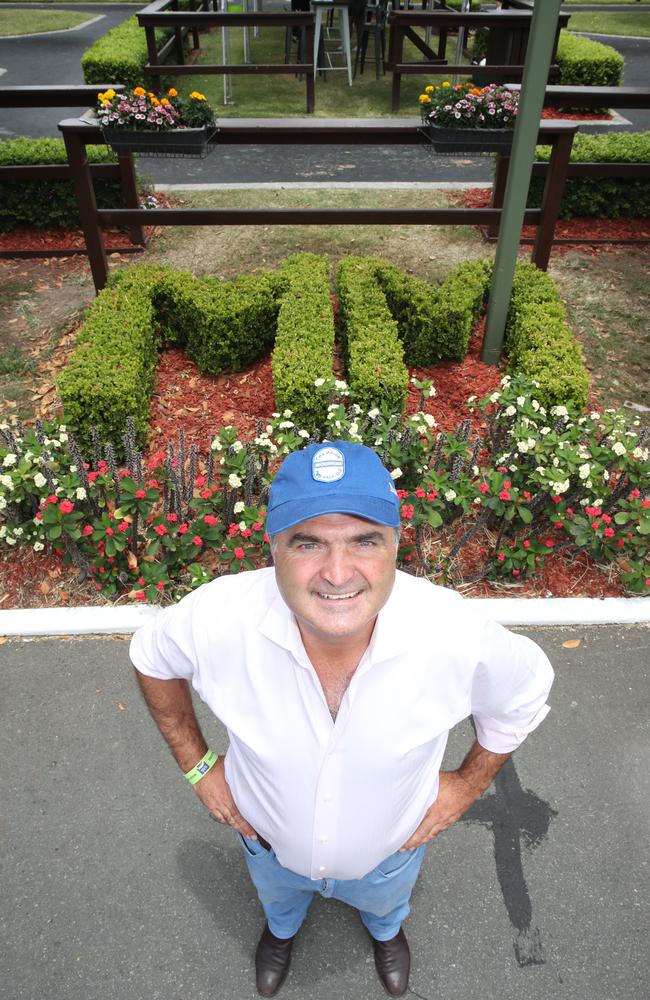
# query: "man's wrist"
202,767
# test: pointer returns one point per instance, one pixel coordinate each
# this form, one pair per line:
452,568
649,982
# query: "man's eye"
367,543
307,546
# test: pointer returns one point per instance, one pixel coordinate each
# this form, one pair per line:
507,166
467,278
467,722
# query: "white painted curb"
508,610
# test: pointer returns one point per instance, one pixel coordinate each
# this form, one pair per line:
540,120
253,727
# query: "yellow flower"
139,91
164,100
110,93
197,97
424,99
101,97
155,102
446,83
172,92
429,90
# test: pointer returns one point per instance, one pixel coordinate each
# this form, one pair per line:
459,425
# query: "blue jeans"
382,896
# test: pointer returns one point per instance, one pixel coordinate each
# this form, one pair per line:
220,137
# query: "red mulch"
575,116
58,238
586,228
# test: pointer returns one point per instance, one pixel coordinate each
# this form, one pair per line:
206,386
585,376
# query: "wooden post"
152,53
178,39
196,42
129,185
551,198
396,56
85,194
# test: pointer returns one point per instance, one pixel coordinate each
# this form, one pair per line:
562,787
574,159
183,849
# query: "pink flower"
87,530
210,520
66,507
160,529
484,488
609,533
51,499
140,494
258,526
239,553
109,531
182,529
172,518
504,495
197,541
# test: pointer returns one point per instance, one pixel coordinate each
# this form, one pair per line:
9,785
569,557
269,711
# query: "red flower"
123,526
484,488
402,494
246,533
87,530
199,481
211,520
156,459
111,560
139,595
172,518
420,493
123,473
595,525
160,585
153,484
66,507
645,504
258,526
549,543
109,531
266,537
606,519
501,468
141,581
569,511
233,530
620,543
408,511
558,524
239,553
609,533
526,544
197,541
51,499
557,499
501,556
39,515
102,569
92,476
504,495
102,466
160,529
140,494
515,572
182,529
526,495
506,484
635,494
206,494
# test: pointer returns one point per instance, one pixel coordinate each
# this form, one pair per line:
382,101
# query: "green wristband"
207,762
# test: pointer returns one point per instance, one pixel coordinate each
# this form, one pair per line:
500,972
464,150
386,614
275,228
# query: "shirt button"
322,868
323,838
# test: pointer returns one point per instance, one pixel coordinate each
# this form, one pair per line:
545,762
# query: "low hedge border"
602,196
45,203
373,353
304,339
539,342
120,55
586,63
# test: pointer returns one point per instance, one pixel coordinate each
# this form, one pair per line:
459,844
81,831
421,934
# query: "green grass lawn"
26,22
280,96
625,23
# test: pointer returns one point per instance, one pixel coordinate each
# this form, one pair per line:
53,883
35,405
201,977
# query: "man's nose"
337,568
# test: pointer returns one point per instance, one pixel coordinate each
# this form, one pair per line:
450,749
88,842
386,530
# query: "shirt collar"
389,637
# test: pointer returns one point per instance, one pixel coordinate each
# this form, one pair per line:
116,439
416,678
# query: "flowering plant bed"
468,119
497,498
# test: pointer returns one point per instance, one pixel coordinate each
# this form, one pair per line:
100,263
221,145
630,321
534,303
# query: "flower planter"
175,142
468,140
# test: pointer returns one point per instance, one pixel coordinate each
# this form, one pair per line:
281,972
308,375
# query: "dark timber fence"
69,97
308,131
165,14
507,40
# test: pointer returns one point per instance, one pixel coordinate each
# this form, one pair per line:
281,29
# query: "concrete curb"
57,31
129,618
334,185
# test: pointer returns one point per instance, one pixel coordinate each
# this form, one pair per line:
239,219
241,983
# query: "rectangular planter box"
468,140
176,142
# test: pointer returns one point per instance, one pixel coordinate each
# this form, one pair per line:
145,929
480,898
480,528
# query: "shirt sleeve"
164,647
510,688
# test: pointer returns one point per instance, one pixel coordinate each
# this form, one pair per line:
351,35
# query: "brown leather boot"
393,964
272,961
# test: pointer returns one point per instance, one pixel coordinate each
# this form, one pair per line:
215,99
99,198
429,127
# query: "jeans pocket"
395,863
253,848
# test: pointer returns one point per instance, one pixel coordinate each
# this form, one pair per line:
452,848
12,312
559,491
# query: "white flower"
511,410
584,471
303,434
495,397
237,446
73,468
534,404
541,470
559,411
80,493
396,473
340,384
10,540
431,393
560,487
605,475
275,415
239,507
531,443
595,415
513,468
450,495
216,444
7,482
556,462
597,503
63,438
373,413
234,481
286,425
3,502
471,399
380,441
641,453
9,460
618,449
242,525
269,428
319,382
38,546
506,380
429,420
588,484
522,446
354,427
18,532
476,500
521,400
287,413
3,527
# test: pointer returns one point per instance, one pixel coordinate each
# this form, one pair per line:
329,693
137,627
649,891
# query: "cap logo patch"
328,465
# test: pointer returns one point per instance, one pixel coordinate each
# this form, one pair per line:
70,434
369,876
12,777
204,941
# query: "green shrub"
540,344
585,63
45,203
372,350
304,339
120,55
604,196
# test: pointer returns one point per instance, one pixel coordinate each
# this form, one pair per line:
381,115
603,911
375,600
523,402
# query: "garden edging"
507,610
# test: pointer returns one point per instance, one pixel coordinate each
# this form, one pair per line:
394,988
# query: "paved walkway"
117,885
43,60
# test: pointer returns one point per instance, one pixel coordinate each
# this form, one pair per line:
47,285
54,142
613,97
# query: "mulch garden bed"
201,404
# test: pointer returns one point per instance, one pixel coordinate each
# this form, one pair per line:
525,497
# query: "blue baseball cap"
334,477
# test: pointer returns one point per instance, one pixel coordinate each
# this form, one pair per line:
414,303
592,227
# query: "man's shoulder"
237,595
409,588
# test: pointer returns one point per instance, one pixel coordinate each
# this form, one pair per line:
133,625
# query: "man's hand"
454,798
214,792
456,792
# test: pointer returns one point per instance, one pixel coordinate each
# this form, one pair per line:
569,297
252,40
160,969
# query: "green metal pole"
533,86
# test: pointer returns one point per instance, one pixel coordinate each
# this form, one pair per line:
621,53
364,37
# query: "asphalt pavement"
43,60
116,883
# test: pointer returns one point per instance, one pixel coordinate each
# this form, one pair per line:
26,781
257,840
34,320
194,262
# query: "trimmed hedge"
120,55
604,196
304,339
45,203
435,323
585,63
373,354
539,343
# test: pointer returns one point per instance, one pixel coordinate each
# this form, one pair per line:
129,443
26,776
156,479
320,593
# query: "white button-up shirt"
334,798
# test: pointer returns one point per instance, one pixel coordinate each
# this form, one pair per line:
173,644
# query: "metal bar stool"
374,23
323,8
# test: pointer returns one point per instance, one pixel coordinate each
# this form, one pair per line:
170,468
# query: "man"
338,680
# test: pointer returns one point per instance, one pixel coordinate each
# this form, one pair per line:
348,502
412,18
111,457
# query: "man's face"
335,572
